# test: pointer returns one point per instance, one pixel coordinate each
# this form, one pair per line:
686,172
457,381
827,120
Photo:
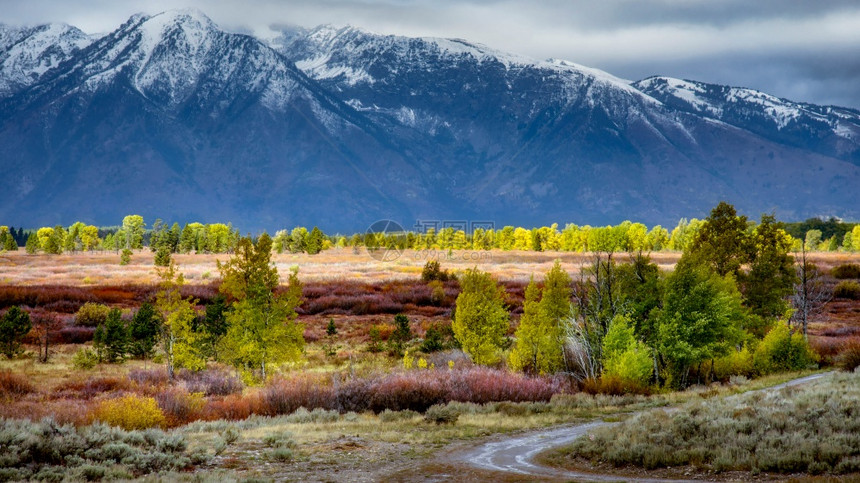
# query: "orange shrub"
130,412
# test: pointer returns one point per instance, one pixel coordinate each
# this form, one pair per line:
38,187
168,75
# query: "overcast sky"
805,50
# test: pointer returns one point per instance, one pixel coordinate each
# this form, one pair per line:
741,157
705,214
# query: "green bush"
780,350
125,257
736,363
432,271
847,289
47,451
625,357
92,314
389,416
441,414
848,270
85,359
281,439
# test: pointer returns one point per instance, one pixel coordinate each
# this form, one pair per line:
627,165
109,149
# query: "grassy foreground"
812,428
318,445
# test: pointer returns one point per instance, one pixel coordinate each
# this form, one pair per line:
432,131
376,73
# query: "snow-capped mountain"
27,53
830,130
170,116
554,130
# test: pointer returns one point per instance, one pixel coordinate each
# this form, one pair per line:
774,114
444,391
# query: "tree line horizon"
814,234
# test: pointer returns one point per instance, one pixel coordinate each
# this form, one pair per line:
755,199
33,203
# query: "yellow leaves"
130,413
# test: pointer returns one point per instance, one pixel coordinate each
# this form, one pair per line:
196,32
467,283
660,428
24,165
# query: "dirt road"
516,455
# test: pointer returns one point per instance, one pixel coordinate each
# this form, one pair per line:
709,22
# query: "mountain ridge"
339,127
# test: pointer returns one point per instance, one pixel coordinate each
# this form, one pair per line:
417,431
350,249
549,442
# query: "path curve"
516,455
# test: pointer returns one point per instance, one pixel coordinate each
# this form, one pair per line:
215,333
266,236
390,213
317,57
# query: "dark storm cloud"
802,50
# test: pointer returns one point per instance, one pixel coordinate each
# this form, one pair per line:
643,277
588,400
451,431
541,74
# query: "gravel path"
516,455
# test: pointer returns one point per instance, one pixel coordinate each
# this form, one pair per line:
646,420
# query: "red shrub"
14,385
418,390
179,406
826,347
91,387
211,382
75,335
283,396
233,407
849,355
149,377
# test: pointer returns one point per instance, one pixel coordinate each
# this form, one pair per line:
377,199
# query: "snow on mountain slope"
27,53
353,55
170,56
794,122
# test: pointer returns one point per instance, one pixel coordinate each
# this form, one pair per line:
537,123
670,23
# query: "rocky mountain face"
169,116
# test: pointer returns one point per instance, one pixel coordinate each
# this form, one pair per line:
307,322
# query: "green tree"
133,227
481,319
701,319
72,242
111,338
641,294
14,325
813,240
543,327
162,256
315,241
772,275
188,238
848,242
143,331
526,355
178,340
855,237
89,237
51,240
262,326
214,325
722,242
281,241
402,334
299,239
7,239
32,245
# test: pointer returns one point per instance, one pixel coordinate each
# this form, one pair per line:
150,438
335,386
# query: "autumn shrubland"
256,354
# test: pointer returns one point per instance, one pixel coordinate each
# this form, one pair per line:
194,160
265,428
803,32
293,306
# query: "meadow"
352,408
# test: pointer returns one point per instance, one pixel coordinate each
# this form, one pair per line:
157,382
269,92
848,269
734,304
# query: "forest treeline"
813,235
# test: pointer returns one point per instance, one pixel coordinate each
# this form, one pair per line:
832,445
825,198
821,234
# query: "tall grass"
813,428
